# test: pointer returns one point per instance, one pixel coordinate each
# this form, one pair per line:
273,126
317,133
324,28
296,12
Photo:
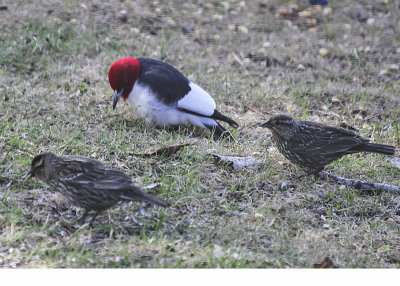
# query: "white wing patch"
198,100
150,107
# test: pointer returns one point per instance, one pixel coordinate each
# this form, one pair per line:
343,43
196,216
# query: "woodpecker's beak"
117,95
266,124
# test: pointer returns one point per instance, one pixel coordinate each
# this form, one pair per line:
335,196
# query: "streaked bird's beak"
266,124
117,95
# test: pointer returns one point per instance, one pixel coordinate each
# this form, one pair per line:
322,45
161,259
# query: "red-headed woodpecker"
164,96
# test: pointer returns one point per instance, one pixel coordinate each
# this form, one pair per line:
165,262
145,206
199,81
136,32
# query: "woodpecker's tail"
376,148
218,116
136,194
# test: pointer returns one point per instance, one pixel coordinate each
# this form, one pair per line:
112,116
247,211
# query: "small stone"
304,14
107,40
261,51
235,256
243,29
323,52
390,221
218,251
266,44
288,23
226,5
311,22
327,11
394,67
216,37
73,20
258,215
123,16
284,186
370,21
170,21
383,72
83,6
217,17
135,31
300,67
318,8
282,12
367,49
384,2
208,6
326,226
313,30
158,10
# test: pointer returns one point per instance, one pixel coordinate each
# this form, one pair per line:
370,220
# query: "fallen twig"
360,185
164,151
255,110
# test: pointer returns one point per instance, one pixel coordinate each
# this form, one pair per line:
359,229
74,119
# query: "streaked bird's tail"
376,148
136,194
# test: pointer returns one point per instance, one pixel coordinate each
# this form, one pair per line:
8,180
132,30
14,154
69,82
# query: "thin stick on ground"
360,185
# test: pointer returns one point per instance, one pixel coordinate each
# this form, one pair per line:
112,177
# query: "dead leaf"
164,151
281,210
327,263
255,110
395,161
238,163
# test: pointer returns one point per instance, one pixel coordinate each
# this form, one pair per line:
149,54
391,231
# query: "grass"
55,97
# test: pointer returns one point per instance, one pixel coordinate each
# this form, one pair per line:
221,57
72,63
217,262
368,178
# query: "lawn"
337,65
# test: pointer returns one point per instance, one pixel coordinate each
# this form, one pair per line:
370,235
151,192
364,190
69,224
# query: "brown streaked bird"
314,145
88,183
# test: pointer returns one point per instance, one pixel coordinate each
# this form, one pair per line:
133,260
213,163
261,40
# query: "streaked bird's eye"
38,163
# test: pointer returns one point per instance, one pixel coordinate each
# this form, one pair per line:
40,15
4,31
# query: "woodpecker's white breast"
197,100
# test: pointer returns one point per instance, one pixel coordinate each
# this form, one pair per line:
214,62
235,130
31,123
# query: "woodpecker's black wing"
166,82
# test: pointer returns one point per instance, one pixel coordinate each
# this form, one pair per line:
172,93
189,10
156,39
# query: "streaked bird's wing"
91,172
325,140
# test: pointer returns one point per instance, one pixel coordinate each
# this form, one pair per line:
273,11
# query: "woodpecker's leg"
220,132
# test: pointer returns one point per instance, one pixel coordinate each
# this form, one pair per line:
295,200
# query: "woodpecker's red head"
122,76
